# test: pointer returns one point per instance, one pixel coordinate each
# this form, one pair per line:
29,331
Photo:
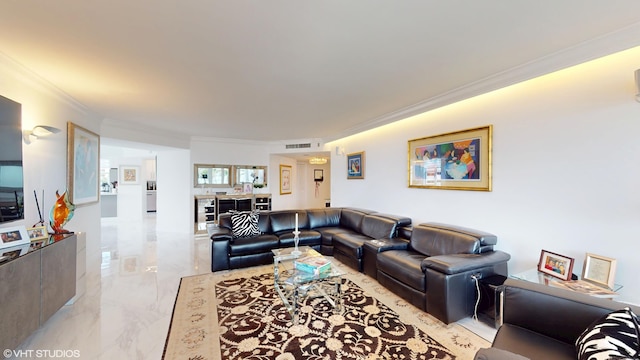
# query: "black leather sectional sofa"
430,265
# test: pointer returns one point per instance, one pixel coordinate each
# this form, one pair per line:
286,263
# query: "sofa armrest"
221,234
497,354
460,263
220,240
389,244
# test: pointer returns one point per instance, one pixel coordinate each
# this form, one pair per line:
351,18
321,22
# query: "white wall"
314,193
174,191
564,172
45,162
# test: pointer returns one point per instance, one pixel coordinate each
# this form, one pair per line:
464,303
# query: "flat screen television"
11,174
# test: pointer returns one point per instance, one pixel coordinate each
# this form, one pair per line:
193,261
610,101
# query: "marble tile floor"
126,310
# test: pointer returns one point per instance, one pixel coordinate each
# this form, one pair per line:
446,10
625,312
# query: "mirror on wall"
257,175
209,175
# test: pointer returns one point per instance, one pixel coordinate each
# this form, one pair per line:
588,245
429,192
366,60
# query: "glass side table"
535,276
293,285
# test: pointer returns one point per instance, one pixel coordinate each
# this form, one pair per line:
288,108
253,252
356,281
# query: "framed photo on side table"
599,270
556,265
83,165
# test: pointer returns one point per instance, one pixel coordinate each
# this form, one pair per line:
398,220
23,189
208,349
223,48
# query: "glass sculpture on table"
61,213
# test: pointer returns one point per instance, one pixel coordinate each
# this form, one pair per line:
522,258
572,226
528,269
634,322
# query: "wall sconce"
37,132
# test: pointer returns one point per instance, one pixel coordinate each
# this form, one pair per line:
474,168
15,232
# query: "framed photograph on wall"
355,165
38,233
285,179
318,175
83,165
458,160
599,270
129,175
13,236
556,265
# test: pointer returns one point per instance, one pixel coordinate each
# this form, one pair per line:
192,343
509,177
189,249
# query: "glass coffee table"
293,285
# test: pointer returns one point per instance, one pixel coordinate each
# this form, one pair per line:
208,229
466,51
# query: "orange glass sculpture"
61,213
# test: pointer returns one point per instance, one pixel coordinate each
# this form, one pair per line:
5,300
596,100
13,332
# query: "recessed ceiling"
284,69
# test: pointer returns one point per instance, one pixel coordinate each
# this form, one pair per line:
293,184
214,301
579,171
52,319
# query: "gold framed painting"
83,165
458,160
285,179
355,165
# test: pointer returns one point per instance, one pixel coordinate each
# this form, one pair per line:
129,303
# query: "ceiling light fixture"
37,132
317,161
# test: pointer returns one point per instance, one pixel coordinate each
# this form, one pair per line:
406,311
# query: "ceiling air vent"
298,146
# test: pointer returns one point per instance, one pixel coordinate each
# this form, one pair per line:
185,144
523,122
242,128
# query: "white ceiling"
286,69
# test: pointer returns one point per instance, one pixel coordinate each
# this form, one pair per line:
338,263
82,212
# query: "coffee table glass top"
284,270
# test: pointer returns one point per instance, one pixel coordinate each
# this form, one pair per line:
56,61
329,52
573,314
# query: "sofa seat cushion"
306,237
531,344
404,266
328,233
253,245
350,244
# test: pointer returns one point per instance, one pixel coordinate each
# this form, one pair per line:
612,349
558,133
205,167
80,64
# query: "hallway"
125,314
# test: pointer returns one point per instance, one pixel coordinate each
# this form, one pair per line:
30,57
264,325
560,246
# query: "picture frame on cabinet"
37,233
13,236
129,175
83,165
459,160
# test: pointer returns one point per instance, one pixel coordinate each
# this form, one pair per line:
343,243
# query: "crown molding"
616,41
35,81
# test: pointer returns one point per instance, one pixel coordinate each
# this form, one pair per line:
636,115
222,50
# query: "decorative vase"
61,213
296,240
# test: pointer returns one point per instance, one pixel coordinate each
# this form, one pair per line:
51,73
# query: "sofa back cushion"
224,221
326,217
285,220
434,241
377,227
352,219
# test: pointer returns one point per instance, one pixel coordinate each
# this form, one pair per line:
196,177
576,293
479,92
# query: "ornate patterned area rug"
238,315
